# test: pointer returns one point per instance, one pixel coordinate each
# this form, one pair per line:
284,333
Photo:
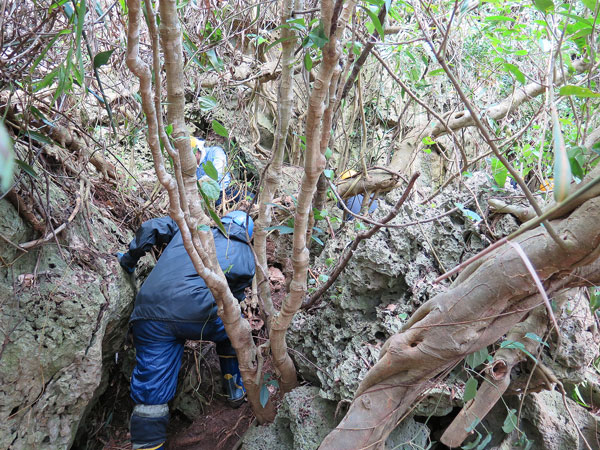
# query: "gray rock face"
386,279
546,421
59,329
302,422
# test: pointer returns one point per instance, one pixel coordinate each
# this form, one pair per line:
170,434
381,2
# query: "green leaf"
578,91
210,170
499,172
42,139
81,8
308,62
510,423
317,36
102,58
591,4
215,217
317,240
207,103
543,5
46,81
7,159
283,229
203,228
470,389
485,442
26,168
499,19
323,278
477,358
536,338
520,76
517,346
328,153
436,72
328,173
211,189
264,395
219,129
376,23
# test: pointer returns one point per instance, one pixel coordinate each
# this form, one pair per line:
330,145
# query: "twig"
538,283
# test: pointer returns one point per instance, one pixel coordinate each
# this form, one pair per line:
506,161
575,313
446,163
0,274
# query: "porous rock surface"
59,329
387,278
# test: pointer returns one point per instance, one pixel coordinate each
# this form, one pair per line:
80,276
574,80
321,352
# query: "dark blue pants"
159,351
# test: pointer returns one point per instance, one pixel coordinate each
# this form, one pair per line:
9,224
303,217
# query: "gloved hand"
119,256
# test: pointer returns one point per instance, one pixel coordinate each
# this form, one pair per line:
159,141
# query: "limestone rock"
61,328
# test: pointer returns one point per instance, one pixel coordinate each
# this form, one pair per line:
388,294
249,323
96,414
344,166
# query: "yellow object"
194,142
547,186
154,448
348,174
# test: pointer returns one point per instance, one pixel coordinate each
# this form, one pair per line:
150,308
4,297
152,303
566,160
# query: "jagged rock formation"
63,316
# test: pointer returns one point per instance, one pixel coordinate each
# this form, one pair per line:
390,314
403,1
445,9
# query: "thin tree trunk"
334,17
184,203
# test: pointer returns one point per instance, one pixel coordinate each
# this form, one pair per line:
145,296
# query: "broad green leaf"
42,139
26,168
308,62
510,423
323,278
499,172
470,389
578,91
317,36
328,173
102,58
591,4
207,103
211,189
477,358
283,229
219,129
436,72
376,23
543,5
520,76
210,170
328,153
264,395
7,159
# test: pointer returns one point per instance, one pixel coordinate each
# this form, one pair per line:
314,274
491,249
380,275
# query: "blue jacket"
218,157
174,291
